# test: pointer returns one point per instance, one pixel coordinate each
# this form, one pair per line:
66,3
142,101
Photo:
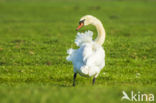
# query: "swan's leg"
74,79
93,80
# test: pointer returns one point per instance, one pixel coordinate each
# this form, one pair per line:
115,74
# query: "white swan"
89,59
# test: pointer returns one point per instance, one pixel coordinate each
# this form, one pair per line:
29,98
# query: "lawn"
34,38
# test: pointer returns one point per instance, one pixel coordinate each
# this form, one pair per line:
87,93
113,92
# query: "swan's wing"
93,59
71,54
93,55
82,38
87,52
75,56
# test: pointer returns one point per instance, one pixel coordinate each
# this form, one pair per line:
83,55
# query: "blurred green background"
34,38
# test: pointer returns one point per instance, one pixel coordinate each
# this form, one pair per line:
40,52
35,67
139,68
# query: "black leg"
74,79
94,80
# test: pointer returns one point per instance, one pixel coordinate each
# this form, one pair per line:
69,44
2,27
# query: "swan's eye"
81,24
82,21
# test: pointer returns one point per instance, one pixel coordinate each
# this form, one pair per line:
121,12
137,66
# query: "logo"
137,96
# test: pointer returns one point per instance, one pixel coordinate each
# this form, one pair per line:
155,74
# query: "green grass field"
34,38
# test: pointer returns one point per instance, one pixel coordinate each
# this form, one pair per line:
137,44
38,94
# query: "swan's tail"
90,70
83,38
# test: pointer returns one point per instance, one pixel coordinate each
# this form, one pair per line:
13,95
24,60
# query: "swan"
89,59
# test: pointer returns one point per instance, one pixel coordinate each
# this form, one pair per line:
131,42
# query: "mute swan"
89,58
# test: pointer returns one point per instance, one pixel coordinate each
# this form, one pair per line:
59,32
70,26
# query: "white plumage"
88,60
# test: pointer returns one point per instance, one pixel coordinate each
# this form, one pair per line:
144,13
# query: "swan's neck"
101,33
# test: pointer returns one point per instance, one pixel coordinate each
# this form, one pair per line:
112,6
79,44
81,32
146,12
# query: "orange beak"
80,26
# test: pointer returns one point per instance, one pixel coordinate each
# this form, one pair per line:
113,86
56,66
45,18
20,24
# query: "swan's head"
86,20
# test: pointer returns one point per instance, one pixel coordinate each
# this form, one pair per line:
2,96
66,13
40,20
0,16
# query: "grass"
34,37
